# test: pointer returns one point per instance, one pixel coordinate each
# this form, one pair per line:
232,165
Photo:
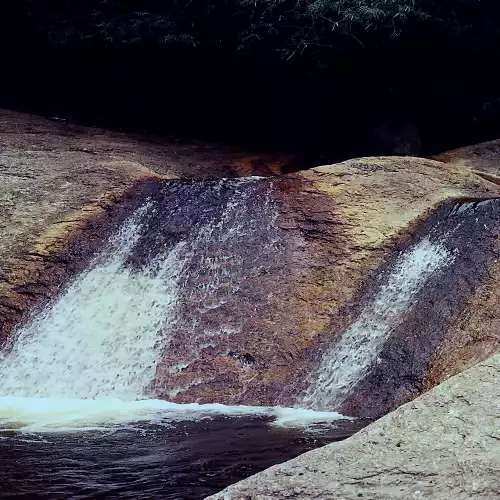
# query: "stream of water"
347,361
78,412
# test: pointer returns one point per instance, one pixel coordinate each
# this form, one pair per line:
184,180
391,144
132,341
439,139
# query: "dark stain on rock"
468,229
246,359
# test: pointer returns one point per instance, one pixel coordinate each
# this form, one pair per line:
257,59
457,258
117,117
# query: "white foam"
102,336
348,360
86,361
48,415
299,417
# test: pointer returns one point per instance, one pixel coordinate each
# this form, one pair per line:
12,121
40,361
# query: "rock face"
483,159
301,257
337,230
276,272
445,444
475,333
63,188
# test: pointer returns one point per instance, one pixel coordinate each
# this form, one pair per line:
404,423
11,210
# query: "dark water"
188,460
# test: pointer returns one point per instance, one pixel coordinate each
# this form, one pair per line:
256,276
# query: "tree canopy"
291,27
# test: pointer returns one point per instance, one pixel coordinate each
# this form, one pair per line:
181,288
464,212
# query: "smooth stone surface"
62,183
64,190
443,445
483,159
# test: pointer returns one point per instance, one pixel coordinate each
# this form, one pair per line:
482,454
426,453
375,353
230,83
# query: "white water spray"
88,359
217,267
101,337
348,360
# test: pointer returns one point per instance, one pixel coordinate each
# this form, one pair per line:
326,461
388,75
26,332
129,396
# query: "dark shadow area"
413,85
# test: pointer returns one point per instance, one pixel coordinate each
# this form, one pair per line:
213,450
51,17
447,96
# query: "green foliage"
292,28
105,22
316,25
290,25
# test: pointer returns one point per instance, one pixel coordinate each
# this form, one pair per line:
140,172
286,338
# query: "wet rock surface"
33,275
430,335
273,270
443,445
386,201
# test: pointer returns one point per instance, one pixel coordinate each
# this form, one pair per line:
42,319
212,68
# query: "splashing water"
89,359
100,337
67,414
348,360
233,241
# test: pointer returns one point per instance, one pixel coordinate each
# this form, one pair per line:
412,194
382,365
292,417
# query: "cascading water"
101,337
90,358
379,361
348,360
173,289
91,354
226,249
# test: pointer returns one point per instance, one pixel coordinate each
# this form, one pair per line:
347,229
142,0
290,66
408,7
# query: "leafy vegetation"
291,26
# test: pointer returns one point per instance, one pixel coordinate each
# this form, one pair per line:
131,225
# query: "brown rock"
64,187
302,277
483,159
338,227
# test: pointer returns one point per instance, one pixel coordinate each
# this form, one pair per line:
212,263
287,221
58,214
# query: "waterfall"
89,359
233,242
348,360
101,336
165,294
